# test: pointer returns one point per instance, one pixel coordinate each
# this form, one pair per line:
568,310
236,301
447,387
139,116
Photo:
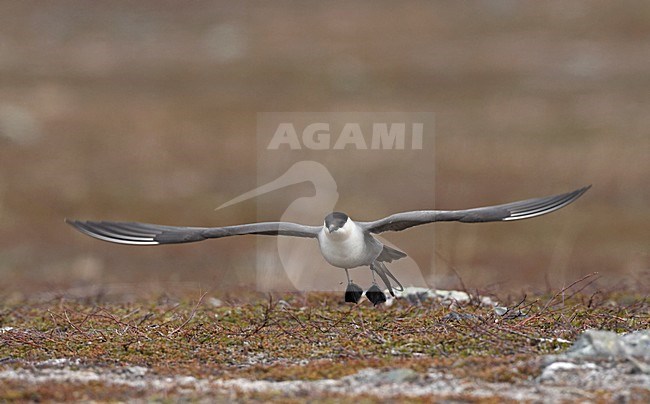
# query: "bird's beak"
332,228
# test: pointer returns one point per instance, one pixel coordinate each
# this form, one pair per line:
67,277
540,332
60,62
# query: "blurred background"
147,111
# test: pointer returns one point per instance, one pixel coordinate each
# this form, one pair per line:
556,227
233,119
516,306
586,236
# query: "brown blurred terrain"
147,111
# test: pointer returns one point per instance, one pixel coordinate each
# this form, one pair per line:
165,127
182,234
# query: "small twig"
145,318
95,310
129,314
67,318
584,287
548,303
265,321
521,302
190,317
516,307
110,316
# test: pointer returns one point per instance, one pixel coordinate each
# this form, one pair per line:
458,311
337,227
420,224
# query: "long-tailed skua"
343,242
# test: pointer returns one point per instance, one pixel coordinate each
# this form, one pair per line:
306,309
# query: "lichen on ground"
197,346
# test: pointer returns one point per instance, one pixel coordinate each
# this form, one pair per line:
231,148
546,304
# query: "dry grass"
301,337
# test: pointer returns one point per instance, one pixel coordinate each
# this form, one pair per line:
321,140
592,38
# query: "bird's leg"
353,292
374,294
374,281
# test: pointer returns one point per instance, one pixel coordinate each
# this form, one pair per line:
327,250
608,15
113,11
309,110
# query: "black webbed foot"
353,293
375,295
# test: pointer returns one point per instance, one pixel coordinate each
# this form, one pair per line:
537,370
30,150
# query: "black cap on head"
335,220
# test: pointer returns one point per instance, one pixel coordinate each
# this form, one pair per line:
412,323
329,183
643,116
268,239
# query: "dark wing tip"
541,206
114,232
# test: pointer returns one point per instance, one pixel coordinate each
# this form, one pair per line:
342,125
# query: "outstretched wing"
509,211
152,234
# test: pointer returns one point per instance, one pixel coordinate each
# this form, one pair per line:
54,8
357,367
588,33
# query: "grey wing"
509,211
134,233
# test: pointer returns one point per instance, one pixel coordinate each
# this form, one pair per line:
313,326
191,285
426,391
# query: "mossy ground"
297,336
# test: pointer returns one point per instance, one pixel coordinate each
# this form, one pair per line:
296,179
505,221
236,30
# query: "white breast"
348,247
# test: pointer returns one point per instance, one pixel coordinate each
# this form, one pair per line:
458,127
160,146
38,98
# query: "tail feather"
389,254
384,273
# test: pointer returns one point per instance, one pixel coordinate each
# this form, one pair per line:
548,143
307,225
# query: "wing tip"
578,193
559,201
72,222
96,230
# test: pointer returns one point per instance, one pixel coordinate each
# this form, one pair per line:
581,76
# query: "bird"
343,242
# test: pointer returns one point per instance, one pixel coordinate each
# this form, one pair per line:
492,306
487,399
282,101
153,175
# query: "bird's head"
336,222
